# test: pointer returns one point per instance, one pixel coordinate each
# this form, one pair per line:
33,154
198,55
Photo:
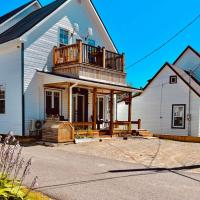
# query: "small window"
173,79
91,42
178,116
2,99
64,37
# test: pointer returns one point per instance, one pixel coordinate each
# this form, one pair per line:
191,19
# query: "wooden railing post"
104,57
80,51
123,62
94,109
129,110
139,123
54,56
111,112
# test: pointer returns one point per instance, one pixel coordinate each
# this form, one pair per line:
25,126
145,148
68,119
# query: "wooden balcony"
88,61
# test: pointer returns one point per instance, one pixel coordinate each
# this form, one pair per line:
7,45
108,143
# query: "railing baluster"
87,54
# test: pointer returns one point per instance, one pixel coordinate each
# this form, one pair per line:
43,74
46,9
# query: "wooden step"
142,132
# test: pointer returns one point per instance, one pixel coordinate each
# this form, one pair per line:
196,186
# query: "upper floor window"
91,42
63,37
173,79
2,99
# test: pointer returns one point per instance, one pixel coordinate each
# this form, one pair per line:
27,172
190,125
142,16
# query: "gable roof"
14,12
35,17
192,83
186,49
29,21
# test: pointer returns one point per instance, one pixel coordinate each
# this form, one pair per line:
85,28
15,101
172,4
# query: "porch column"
111,112
94,110
129,110
69,103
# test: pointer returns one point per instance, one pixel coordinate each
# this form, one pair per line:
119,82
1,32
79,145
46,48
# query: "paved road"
71,176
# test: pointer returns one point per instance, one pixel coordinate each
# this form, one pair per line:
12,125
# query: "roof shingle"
13,12
29,21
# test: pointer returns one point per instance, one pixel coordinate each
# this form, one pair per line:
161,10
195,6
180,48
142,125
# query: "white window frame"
52,102
3,99
173,116
59,43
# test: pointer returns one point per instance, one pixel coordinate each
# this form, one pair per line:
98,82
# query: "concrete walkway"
71,176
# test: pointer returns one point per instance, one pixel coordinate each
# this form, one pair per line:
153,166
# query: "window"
178,116
64,37
173,79
2,99
91,42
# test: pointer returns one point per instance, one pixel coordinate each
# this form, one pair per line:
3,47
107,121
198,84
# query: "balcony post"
111,112
104,57
129,110
80,51
94,109
123,62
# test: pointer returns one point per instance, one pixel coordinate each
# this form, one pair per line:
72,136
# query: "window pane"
64,37
178,116
2,106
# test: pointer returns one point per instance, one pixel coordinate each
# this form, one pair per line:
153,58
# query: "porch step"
142,132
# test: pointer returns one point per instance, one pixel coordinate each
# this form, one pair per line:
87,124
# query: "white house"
170,102
58,60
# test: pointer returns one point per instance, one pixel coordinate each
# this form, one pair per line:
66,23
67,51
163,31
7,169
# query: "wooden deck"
59,132
84,60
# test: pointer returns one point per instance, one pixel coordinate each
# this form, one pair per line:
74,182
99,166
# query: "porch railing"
89,55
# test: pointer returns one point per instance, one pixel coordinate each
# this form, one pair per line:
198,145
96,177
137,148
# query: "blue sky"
137,27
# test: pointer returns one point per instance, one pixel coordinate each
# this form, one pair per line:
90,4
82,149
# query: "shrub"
13,170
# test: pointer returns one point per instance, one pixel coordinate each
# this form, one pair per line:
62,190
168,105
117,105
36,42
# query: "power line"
165,43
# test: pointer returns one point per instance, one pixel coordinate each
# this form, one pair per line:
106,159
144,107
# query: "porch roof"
52,78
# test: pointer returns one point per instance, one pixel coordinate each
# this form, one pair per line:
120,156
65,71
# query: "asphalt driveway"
67,175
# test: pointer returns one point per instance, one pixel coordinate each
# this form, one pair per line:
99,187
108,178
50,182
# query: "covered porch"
89,107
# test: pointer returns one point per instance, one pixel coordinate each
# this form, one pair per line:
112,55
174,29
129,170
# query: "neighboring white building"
52,62
170,102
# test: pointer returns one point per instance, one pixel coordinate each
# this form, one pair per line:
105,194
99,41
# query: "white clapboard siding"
10,77
38,52
154,106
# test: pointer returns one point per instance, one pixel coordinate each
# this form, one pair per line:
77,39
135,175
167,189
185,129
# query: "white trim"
45,19
102,25
60,100
85,82
59,8
21,11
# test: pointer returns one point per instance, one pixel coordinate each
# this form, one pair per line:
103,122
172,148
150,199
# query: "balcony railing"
81,53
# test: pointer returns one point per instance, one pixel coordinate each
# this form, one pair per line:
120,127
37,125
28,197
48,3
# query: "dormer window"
173,79
63,37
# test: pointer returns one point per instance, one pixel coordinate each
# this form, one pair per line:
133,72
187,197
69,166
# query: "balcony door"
78,108
52,103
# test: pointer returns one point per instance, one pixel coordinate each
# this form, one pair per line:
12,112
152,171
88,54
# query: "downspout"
22,89
70,102
189,106
161,102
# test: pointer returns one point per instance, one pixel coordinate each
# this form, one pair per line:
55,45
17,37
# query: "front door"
78,108
52,103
